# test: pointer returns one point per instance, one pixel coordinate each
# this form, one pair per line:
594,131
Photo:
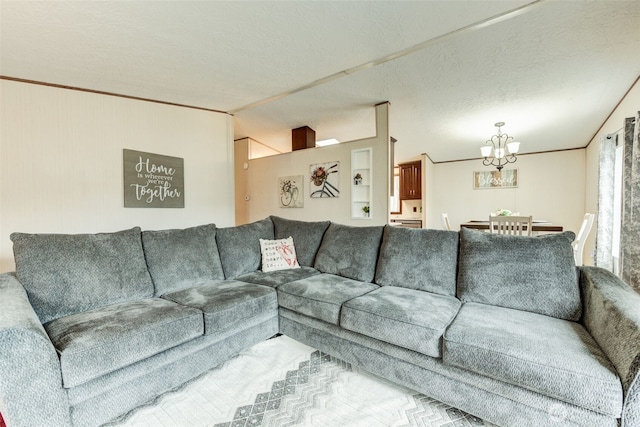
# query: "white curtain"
604,233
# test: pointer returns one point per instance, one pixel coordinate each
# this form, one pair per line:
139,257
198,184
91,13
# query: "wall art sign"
324,179
291,191
152,180
506,178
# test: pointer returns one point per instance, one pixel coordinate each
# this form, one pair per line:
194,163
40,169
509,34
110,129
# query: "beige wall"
430,218
262,181
257,149
61,162
628,107
551,187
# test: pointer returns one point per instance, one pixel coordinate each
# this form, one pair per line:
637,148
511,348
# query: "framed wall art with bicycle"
291,191
324,180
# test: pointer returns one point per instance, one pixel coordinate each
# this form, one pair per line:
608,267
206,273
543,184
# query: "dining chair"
581,237
518,225
444,219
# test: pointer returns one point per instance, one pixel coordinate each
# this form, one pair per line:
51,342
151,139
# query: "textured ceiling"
552,70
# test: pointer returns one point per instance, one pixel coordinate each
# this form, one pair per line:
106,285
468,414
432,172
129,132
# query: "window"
394,201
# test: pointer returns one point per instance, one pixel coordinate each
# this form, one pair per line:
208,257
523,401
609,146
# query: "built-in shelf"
361,189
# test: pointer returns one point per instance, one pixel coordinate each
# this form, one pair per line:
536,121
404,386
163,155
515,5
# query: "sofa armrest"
611,314
31,390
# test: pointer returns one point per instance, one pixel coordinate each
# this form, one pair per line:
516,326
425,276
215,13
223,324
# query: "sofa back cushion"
179,259
239,247
421,259
536,274
349,251
307,236
66,274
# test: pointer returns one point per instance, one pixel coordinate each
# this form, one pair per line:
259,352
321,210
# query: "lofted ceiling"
552,70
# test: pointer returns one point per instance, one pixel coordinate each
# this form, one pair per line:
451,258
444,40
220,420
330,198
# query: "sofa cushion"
277,278
66,274
224,303
239,247
99,341
307,236
536,274
405,317
278,254
421,259
349,251
321,296
554,357
178,259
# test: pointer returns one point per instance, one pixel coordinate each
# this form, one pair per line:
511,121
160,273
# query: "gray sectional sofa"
504,327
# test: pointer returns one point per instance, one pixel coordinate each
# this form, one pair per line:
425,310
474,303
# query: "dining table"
536,226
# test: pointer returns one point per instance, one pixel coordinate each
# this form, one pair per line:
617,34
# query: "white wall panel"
61,165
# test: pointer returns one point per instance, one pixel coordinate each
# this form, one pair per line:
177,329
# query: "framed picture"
291,191
324,180
506,178
152,180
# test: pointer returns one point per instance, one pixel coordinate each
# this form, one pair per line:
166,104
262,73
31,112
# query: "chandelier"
500,149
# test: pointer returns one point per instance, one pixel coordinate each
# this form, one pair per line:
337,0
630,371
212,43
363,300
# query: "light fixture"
500,149
326,142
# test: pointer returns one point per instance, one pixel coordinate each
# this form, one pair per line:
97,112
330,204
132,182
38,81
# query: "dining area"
505,222
521,225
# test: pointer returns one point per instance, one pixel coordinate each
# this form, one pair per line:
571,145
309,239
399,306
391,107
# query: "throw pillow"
536,274
278,254
66,274
182,258
421,259
349,251
306,234
239,247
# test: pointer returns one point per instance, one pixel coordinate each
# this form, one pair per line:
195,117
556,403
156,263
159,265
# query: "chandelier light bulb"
513,147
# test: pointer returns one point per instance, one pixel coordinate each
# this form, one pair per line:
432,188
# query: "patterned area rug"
281,382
